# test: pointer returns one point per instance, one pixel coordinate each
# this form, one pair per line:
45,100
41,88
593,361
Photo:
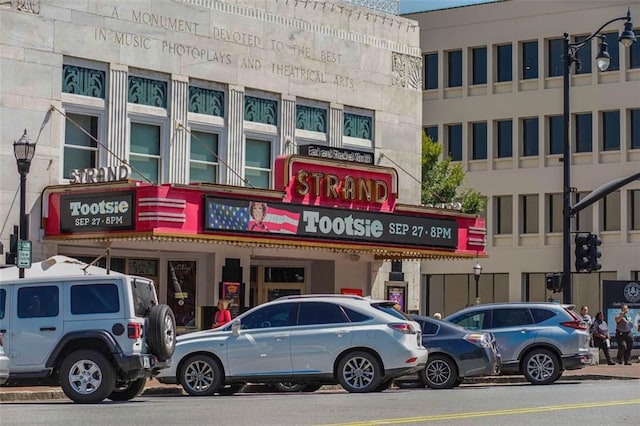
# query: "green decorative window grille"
357,126
310,118
145,91
206,101
261,110
83,81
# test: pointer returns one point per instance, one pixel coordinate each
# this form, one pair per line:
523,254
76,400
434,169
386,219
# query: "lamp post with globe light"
570,51
23,150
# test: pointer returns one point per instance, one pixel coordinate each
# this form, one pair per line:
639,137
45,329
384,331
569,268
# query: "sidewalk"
592,372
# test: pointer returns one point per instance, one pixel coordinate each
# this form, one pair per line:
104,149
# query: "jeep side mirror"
235,328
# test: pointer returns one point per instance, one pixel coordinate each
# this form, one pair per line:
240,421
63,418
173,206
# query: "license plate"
146,362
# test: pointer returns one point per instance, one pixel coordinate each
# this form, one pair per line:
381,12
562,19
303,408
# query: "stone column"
117,115
178,167
288,143
234,173
336,124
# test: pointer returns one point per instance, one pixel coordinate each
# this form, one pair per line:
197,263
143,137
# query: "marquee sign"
322,182
229,215
109,211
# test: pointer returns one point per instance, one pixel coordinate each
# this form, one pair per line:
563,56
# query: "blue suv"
539,340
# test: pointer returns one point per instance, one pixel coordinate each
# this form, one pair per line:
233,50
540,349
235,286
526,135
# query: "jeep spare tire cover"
161,332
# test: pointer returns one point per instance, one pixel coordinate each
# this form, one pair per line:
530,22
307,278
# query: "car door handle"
47,329
281,337
3,330
341,332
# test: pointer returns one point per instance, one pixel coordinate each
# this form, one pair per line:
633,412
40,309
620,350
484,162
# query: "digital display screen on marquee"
223,214
109,211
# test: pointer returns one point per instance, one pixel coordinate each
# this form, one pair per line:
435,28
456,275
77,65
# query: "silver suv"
97,335
539,340
311,340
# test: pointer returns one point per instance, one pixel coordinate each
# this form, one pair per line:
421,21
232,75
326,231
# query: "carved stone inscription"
325,58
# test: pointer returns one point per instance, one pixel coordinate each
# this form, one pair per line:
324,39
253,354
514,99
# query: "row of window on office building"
207,105
529,211
609,129
528,62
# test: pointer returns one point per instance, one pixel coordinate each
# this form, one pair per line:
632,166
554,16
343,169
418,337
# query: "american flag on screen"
277,221
230,218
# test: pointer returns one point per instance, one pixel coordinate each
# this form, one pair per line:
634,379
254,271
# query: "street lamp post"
570,50
23,149
477,270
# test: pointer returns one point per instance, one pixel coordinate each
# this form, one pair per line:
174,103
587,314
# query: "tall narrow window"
611,130
479,59
432,132
503,214
504,138
257,168
530,137
505,67
554,212
431,71
479,147
80,147
634,203
555,57
454,141
529,60
145,158
556,134
634,117
529,214
584,133
610,211
454,69
634,52
614,50
584,218
203,164
584,57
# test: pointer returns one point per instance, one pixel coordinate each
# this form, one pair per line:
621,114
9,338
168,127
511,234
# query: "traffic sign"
24,254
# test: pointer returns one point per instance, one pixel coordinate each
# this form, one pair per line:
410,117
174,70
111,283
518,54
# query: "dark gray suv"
539,340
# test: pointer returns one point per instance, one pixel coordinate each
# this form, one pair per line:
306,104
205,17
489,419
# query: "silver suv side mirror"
235,328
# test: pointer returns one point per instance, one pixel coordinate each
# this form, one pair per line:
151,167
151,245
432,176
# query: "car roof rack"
308,296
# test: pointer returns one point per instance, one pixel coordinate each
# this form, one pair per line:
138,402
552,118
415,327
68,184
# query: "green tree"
442,180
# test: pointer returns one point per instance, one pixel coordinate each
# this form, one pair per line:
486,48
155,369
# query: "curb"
17,396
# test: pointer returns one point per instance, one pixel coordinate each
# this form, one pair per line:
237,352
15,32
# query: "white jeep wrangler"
96,334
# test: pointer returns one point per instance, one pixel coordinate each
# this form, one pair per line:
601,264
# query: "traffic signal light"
10,256
587,252
554,282
594,253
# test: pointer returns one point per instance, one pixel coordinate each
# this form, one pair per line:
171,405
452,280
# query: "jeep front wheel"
161,333
87,377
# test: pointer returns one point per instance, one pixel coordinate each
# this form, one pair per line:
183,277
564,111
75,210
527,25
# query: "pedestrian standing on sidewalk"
600,333
623,335
584,314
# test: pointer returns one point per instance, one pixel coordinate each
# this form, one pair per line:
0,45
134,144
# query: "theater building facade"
228,149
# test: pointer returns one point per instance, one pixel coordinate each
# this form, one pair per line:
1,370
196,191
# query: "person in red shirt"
222,315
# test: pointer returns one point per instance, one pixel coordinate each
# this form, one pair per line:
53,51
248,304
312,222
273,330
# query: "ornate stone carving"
31,6
406,71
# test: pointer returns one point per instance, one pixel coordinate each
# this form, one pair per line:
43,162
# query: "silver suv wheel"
541,367
359,372
201,375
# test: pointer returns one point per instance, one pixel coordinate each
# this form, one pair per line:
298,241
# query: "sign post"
24,254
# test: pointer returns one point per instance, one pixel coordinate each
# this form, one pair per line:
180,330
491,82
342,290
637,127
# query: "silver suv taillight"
402,327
